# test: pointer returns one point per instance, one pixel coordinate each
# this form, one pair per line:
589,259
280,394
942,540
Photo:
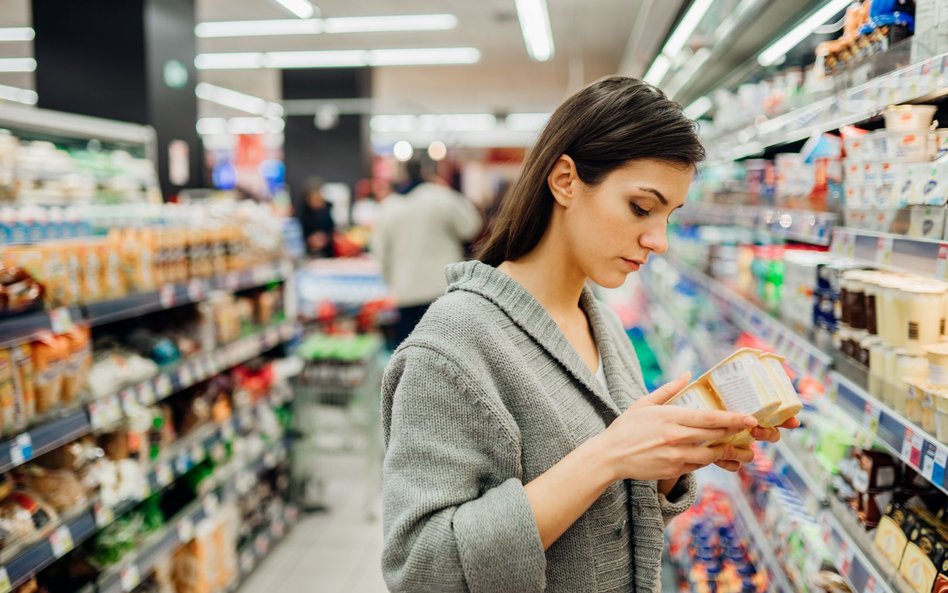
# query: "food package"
45,265
78,362
8,405
24,516
113,281
61,488
92,287
18,290
50,356
749,381
24,382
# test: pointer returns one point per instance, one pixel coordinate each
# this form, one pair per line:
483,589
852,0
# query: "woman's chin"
610,279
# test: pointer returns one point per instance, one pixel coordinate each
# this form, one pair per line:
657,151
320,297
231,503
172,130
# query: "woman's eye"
639,211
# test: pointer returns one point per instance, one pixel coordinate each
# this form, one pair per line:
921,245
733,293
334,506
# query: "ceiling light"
526,122
347,58
259,28
402,151
437,150
237,100
658,70
17,64
12,93
17,34
779,48
698,107
300,8
381,24
209,126
229,61
691,67
461,122
535,26
687,25
426,56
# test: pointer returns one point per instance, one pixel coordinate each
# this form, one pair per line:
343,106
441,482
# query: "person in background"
418,232
315,214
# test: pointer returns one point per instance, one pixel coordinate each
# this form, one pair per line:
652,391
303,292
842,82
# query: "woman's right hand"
651,441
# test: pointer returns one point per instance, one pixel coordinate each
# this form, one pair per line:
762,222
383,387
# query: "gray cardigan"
486,395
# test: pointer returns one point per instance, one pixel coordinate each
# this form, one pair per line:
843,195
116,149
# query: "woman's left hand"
732,463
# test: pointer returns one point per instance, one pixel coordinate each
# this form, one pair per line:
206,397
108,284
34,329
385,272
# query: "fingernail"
750,421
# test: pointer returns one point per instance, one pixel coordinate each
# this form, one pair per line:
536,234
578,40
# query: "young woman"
523,453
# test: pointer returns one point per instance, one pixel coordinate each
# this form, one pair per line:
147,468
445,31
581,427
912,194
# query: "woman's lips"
633,264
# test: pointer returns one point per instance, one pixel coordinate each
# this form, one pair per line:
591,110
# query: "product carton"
748,381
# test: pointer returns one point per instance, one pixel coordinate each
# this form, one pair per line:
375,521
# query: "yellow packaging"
113,281
7,394
917,568
50,354
72,264
91,262
45,264
891,540
24,383
790,404
78,362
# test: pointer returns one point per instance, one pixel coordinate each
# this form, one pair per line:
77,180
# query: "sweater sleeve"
456,516
679,499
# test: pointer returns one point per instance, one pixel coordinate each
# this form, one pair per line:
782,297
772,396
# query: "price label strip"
21,449
61,541
941,264
163,386
104,515
185,530
941,462
164,474
61,320
928,462
130,578
884,251
5,585
166,296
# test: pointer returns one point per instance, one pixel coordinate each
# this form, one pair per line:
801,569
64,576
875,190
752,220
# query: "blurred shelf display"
894,252
794,225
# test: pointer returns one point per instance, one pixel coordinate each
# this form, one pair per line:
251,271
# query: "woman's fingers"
665,392
713,419
690,435
731,466
770,435
791,423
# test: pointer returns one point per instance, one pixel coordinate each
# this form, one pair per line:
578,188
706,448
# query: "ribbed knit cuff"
499,543
682,497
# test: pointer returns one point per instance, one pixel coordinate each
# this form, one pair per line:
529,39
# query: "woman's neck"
550,276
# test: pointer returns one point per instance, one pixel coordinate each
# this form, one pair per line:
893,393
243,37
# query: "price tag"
907,444
871,416
61,320
941,264
846,559
196,290
916,457
884,251
167,296
163,386
61,541
928,463
185,530
163,474
21,449
871,585
181,464
98,414
198,454
130,578
210,503
5,585
146,393
104,515
941,461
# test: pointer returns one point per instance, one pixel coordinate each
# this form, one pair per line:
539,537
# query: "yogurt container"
902,147
909,118
876,367
941,416
790,404
924,314
937,364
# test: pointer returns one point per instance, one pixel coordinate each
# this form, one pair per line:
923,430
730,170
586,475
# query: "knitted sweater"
486,395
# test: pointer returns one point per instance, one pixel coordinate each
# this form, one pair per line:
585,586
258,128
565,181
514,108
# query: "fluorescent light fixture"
17,34
402,151
691,67
687,25
229,61
348,58
303,9
237,100
17,64
433,122
698,107
535,26
437,150
658,69
352,58
18,95
211,126
526,122
366,24
779,48
259,28
424,56
382,24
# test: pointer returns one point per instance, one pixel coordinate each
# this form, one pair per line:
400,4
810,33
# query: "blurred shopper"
418,232
315,214
523,453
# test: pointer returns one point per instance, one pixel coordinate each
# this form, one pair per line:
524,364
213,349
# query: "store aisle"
337,551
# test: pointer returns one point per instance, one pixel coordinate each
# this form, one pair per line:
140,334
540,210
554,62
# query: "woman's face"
612,228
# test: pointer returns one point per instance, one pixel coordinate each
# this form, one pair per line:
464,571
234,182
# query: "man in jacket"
418,232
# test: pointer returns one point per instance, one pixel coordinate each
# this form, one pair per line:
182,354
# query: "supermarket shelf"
70,125
250,556
803,226
110,410
749,524
748,317
895,252
29,326
903,438
861,103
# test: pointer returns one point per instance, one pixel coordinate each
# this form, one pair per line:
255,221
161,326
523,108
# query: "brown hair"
602,127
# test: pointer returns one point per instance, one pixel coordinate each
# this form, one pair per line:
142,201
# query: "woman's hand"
741,455
651,441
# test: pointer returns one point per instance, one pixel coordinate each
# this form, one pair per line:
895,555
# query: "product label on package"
690,399
735,383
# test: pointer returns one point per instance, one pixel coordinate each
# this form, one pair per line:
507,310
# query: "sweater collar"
524,310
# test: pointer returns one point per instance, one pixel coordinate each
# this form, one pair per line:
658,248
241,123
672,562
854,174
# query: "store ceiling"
591,39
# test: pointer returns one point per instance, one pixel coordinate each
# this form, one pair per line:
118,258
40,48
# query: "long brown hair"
602,127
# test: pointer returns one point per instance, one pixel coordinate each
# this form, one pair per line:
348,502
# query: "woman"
523,453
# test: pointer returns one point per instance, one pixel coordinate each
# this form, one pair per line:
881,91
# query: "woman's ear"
562,180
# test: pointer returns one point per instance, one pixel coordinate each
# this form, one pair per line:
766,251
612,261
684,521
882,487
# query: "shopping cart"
336,415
